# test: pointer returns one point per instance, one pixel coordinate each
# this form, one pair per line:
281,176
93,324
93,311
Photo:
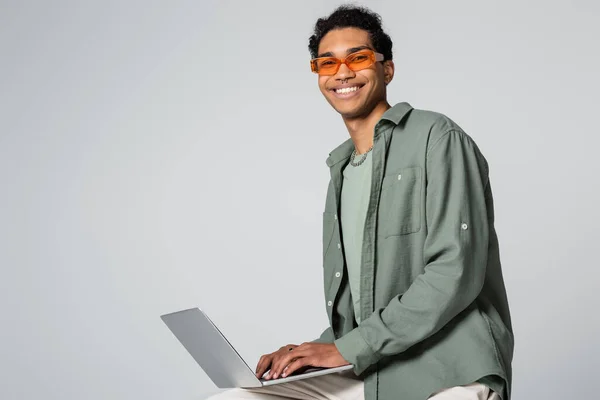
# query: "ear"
388,71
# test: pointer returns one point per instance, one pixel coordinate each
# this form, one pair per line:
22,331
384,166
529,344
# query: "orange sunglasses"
355,61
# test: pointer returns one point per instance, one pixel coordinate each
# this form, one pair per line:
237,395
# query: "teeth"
347,90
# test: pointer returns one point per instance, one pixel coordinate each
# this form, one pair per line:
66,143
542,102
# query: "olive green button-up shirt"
433,307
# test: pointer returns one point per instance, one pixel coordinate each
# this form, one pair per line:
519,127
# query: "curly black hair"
346,16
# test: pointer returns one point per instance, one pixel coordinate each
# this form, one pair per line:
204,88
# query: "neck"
361,129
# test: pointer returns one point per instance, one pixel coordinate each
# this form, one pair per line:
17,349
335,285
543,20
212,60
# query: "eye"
326,63
359,58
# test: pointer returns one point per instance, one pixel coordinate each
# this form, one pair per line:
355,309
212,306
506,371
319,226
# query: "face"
369,83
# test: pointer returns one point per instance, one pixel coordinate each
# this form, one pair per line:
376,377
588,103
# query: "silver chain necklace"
362,160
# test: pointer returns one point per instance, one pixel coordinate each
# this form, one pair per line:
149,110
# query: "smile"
346,92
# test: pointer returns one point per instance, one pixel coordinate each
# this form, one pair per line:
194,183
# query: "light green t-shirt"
356,187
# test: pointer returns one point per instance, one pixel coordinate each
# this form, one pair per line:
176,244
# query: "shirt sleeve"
455,257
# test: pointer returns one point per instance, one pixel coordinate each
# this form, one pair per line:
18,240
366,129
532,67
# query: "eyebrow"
350,50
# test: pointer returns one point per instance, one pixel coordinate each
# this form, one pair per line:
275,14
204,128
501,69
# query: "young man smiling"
413,283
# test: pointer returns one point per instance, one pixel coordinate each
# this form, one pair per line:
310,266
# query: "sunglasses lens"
326,66
360,60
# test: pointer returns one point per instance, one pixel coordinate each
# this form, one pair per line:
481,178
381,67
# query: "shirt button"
339,246
337,274
399,176
334,216
330,303
464,226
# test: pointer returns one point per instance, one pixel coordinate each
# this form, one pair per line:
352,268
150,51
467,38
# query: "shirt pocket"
400,202
329,220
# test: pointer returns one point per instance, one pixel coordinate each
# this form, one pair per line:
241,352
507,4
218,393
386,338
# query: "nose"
344,73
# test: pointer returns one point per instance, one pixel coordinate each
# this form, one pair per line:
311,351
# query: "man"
413,284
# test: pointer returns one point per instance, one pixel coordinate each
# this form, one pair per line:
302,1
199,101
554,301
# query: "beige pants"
342,386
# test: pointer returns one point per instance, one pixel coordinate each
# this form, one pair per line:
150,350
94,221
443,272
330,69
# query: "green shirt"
433,307
354,203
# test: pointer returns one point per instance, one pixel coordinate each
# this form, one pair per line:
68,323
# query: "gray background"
161,155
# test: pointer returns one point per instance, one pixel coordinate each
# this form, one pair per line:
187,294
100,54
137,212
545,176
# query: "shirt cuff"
353,347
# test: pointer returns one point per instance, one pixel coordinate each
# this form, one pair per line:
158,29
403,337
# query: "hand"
285,362
266,360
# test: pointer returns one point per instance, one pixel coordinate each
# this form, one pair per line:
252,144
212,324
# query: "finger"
283,362
258,364
260,370
275,367
304,346
263,365
300,354
274,362
276,358
295,365
278,364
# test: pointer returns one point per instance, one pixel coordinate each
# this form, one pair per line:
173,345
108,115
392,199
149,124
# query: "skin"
360,113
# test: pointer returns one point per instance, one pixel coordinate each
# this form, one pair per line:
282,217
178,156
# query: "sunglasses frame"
373,55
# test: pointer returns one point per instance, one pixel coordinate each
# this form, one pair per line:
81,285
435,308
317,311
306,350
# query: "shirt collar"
394,114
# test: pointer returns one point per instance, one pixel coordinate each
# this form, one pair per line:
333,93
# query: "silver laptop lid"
211,350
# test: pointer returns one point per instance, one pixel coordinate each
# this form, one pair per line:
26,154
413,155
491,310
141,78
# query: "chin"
349,111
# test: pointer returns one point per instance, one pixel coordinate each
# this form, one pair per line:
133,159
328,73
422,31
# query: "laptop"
217,357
